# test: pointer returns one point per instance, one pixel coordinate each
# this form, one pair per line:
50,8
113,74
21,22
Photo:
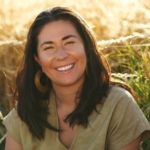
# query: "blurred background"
122,29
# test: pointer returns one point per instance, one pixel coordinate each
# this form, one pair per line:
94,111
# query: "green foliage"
137,64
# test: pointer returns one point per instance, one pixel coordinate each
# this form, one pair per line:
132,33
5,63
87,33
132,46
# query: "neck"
65,96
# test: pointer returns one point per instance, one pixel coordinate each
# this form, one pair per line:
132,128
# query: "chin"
68,83
73,81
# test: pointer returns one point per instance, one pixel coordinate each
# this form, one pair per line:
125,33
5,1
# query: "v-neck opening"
57,124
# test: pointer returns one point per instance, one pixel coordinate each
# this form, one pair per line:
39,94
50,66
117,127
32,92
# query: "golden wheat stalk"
13,42
123,41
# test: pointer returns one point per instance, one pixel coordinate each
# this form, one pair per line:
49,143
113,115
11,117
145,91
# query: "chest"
77,138
94,137
67,134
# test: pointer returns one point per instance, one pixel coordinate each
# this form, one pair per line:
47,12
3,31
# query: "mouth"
65,68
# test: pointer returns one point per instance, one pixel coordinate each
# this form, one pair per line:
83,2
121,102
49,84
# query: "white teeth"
65,68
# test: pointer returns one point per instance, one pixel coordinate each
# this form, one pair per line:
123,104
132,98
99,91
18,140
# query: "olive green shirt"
118,123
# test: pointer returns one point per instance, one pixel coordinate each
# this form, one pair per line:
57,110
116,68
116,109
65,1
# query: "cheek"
81,54
45,60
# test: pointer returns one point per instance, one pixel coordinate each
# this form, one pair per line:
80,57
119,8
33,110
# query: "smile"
65,68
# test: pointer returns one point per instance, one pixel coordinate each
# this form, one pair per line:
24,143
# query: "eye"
50,47
70,42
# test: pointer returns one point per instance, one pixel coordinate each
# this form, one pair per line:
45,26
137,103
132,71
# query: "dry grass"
109,18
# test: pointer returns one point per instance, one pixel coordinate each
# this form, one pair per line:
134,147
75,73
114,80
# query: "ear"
36,59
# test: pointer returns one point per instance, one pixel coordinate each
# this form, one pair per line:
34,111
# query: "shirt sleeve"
127,123
12,124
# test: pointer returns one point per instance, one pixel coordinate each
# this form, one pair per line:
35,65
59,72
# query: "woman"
66,97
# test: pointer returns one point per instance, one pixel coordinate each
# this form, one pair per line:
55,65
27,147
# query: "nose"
61,54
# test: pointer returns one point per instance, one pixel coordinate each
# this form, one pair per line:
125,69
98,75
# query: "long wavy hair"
94,88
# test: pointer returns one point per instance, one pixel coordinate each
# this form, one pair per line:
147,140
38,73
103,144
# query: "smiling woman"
61,54
66,96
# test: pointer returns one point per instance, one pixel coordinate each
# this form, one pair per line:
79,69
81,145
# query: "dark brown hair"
94,88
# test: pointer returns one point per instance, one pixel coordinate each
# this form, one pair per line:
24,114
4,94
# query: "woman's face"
61,53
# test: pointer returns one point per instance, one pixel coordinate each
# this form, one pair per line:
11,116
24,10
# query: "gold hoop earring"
38,84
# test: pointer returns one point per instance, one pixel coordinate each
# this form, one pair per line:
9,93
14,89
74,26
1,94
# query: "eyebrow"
64,38
68,36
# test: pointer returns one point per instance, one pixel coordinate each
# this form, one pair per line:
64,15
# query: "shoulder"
127,122
12,123
118,96
118,92
13,115
18,130
118,101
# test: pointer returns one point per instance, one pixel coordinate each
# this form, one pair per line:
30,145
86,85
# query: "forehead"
57,29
